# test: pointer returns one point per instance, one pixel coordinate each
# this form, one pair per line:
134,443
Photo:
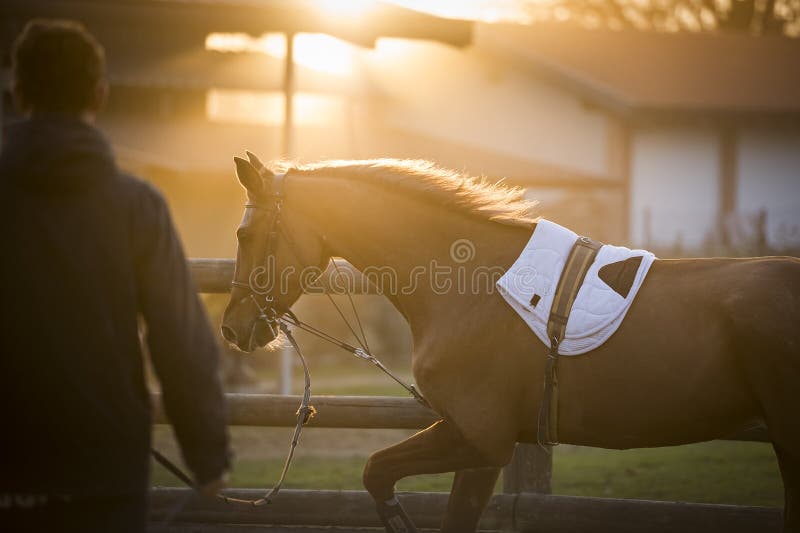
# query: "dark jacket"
87,251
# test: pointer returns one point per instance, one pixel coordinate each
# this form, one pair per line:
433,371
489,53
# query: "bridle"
268,312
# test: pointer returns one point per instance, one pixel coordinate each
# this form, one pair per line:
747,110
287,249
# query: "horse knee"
376,479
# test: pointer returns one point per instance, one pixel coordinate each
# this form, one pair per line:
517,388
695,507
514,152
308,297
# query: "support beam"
287,150
288,98
619,168
728,163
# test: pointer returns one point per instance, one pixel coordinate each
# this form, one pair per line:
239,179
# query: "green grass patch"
311,473
741,473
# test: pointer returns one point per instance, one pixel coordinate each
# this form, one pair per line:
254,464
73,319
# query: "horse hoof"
394,517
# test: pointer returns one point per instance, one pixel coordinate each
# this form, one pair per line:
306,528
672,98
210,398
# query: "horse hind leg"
777,399
766,343
789,464
468,498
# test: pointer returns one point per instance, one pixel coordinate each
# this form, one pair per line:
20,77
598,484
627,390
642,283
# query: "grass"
312,473
742,473
739,473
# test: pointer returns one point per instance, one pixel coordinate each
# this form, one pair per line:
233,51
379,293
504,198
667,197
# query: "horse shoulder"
473,388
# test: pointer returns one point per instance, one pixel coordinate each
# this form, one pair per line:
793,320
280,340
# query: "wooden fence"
525,505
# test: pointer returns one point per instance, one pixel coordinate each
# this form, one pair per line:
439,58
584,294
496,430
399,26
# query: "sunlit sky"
669,15
661,15
485,10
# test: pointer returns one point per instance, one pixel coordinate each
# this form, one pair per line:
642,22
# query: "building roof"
640,71
161,26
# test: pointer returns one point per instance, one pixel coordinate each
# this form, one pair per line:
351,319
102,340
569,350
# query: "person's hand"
212,488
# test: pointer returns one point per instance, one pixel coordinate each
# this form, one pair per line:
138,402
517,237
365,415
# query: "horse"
709,347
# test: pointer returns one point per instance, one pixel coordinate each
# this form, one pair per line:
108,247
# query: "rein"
282,322
361,353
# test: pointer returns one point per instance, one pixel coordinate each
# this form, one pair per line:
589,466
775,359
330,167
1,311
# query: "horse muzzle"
259,334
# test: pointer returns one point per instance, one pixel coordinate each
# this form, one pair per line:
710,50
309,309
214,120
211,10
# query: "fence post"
285,371
530,470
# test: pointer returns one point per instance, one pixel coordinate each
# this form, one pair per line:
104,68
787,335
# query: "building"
669,140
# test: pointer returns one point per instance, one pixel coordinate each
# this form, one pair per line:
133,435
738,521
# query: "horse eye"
243,236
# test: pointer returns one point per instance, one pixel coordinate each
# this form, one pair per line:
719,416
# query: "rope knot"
307,412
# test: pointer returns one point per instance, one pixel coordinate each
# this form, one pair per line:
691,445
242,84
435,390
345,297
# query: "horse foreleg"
468,497
439,448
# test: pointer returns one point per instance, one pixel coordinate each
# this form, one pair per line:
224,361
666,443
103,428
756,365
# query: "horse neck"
412,240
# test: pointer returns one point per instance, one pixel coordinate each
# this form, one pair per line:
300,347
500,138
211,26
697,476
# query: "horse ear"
248,176
256,162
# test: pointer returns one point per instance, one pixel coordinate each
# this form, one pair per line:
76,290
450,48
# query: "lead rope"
304,413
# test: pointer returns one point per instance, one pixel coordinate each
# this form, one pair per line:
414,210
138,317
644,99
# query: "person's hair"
57,65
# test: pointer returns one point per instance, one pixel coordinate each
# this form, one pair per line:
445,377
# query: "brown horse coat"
709,346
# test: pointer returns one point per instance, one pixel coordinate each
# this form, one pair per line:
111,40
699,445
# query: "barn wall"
487,101
674,177
769,178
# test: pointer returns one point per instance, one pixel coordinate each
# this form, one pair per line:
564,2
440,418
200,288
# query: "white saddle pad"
598,309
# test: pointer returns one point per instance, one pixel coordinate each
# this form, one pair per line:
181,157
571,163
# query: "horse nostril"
228,334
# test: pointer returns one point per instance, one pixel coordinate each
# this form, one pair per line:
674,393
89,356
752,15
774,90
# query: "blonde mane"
477,196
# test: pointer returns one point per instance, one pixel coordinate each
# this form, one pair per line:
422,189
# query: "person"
89,251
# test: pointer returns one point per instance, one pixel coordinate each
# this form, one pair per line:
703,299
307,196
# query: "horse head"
278,251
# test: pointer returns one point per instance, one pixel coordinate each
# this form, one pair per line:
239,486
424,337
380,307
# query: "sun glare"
484,10
315,51
324,53
348,9
268,107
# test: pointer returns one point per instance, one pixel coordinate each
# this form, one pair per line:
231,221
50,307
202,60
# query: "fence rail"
213,275
358,412
525,506
506,512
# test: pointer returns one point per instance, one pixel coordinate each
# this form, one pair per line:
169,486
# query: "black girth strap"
580,259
